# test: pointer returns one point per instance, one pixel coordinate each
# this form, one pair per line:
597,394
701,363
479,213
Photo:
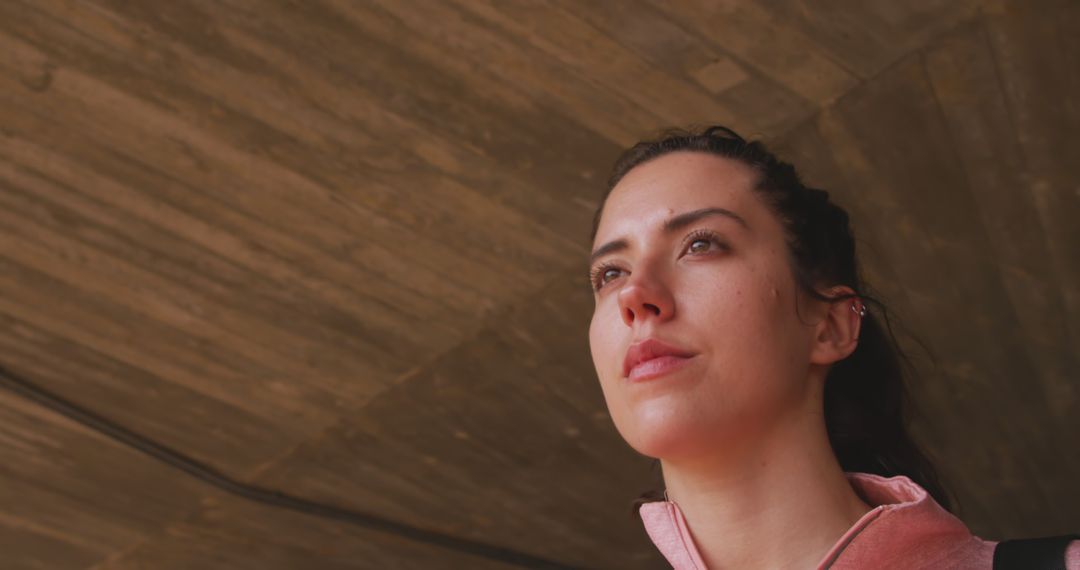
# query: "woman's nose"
643,298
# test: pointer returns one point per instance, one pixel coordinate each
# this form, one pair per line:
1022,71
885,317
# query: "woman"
733,342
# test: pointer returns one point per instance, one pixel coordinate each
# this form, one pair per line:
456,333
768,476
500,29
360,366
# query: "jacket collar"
902,519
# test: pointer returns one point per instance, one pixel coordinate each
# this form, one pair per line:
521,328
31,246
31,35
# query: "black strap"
1044,553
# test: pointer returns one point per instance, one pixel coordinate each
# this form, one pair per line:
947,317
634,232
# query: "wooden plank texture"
337,248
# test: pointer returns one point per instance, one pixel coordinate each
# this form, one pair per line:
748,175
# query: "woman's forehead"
659,189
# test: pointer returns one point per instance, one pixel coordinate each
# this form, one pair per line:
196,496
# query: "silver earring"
861,311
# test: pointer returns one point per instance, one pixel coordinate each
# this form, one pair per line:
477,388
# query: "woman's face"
717,285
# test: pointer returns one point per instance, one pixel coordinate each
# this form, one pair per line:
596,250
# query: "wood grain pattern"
231,533
337,248
71,496
867,37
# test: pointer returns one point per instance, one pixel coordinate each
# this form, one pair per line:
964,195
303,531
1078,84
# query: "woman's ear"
837,334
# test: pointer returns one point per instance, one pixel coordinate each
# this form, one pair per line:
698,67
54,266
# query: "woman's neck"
781,504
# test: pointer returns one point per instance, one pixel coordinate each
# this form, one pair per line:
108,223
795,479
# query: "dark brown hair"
866,401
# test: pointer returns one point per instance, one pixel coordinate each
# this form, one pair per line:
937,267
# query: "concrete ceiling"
336,250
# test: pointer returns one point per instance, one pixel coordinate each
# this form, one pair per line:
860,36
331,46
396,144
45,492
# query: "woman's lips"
656,367
641,353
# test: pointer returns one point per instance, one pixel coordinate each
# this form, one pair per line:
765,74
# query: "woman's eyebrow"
671,225
688,218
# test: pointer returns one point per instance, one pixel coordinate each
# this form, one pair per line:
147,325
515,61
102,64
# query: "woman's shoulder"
908,528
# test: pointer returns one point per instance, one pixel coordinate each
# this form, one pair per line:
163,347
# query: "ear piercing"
858,309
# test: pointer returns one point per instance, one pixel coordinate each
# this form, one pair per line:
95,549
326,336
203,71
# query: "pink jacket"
905,529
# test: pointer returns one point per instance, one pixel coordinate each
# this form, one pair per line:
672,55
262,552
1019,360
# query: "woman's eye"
602,275
702,242
608,274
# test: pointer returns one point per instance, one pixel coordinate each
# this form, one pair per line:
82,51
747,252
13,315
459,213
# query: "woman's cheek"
604,339
597,348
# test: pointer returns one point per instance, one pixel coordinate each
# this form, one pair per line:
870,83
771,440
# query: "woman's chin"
659,434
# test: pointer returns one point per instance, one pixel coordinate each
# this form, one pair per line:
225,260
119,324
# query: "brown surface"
337,249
